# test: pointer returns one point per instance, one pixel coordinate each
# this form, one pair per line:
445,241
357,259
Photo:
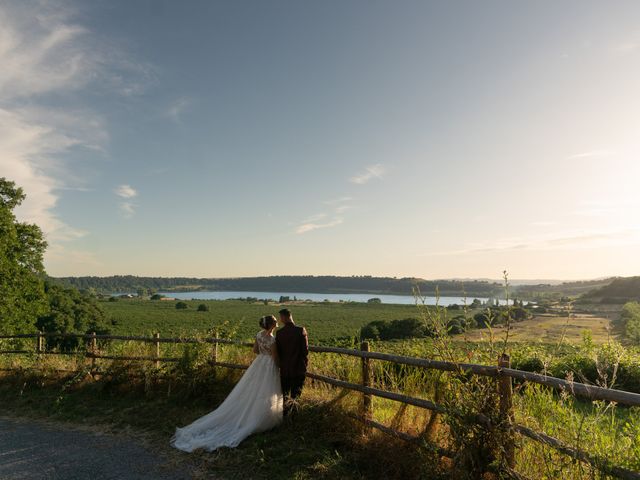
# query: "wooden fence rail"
501,372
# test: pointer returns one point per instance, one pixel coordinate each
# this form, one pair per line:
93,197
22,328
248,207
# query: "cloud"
45,54
324,219
308,227
560,241
175,110
338,200
626,48
128,209
126,191
591,154
371,172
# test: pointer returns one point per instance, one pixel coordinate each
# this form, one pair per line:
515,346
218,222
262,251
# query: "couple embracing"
267,391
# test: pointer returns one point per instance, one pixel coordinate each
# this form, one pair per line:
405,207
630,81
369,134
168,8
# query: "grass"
239,319
553,329
324,442
319,443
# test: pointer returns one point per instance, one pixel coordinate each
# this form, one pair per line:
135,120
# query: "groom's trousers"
291,390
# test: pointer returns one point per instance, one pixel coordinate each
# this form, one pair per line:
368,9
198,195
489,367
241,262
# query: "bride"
254,405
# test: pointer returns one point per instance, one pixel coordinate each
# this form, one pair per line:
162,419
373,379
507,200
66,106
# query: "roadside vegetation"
323,441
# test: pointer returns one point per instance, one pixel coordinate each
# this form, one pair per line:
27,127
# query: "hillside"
285,284
620,290
564,289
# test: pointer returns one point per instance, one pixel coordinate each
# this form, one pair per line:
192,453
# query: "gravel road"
46,451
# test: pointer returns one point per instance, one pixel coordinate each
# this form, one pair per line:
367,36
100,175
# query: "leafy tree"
22,296
395,329
181,306
630,317
374,300
203,308
70,311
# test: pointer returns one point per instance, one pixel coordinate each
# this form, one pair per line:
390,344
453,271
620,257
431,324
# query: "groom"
293,349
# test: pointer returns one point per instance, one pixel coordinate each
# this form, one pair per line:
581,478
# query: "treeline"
307,284
556,292
27,300
620,290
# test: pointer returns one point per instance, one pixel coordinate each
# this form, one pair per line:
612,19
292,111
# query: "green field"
239,320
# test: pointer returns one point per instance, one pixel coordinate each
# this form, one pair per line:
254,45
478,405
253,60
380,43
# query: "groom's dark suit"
293,349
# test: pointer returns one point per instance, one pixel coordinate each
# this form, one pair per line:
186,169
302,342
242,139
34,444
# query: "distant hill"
284,284
620,290
564,289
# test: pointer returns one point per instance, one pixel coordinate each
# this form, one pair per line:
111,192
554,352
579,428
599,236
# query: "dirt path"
39,450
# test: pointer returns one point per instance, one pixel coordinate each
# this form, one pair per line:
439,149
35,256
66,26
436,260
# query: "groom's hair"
285,312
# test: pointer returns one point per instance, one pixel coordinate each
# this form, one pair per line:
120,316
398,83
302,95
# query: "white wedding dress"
254,405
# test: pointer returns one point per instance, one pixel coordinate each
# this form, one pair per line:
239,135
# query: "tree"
630,317
22,296
374,300
181,306
70,311
203,308
157,296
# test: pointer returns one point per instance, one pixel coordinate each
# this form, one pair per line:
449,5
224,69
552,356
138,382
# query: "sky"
421,139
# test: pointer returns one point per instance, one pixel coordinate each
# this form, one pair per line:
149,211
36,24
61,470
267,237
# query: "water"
316,297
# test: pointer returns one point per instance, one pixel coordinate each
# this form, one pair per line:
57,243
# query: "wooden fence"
501,372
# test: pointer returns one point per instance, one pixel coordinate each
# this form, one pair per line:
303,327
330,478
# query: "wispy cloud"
127,207
126,191
43,54
335,201
371,172
559,241
326,219
626,48
590,154
308,227
176,108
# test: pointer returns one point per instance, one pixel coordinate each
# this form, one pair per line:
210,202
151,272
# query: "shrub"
157,296
70,312
630,319
395,329
181,306
203,308
374,300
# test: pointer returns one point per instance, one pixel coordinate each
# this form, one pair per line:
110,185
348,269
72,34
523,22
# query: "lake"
316,297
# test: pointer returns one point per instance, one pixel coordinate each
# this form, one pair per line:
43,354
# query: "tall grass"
192,386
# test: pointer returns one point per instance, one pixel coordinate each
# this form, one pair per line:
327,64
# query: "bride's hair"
267,322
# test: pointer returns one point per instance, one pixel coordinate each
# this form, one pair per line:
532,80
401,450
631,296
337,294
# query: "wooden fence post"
505,393
367,413
39,342
157,343
94,350
214,351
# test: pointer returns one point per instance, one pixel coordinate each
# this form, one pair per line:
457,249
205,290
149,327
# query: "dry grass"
553,329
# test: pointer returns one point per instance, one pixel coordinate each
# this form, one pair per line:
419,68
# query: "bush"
157,296
203,308
374,300
181,306
530,364
70,312
395,329
630,319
